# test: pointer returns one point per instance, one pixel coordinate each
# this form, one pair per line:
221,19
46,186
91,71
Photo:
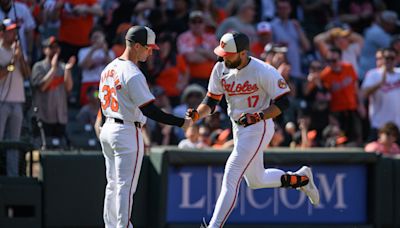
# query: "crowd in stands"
341,59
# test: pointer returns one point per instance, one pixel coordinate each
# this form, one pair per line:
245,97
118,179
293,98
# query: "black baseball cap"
231,43
142,35
49,41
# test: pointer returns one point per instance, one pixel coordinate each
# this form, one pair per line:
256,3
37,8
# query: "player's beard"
233,64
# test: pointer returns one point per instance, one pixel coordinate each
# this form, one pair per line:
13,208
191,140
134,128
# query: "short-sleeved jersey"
249,89
123,90
383,106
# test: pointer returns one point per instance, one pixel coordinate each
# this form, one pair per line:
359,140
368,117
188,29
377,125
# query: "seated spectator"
386,143
204,135
88,113
192,140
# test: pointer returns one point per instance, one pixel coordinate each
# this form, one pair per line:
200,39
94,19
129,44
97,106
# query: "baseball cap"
275,47
196,14
142,35
9,24
49,41
263,27
389,16
231,43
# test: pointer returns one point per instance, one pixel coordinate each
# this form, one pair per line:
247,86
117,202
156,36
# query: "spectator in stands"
381,86
318,98
350,43
191,98
161,134
289,31
204,135
13,70
52,81
118,46
359,14
386,143
240,22
342,82
24,19
76,22
88,113
213,16
192,140
377,36
197,46
92,61
169,69
264,33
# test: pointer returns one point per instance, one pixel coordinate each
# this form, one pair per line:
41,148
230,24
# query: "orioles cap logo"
282,84
222,44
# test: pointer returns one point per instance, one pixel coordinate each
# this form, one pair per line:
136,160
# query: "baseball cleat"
310,189
203,224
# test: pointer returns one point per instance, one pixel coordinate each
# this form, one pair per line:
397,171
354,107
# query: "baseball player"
249,86
125,102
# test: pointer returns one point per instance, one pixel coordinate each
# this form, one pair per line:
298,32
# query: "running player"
249,86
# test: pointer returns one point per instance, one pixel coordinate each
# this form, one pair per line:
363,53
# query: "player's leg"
110,206
128,162
248,142
257,176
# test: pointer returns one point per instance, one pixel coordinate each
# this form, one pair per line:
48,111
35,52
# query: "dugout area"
69,191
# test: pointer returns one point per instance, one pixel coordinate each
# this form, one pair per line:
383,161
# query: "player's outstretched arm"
155,113
206,107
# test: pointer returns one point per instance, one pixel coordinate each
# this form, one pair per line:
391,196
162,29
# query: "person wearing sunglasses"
382,87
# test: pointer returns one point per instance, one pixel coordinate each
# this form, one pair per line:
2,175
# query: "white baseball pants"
123,151
246,160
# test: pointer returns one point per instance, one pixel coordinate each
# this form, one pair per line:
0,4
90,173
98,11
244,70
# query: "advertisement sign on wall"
193,190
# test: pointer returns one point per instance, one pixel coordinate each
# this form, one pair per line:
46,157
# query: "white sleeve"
214,84
139,91
273,83
371,78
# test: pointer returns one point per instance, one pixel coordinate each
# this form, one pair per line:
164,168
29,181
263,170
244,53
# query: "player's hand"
192,114
186,124
247,119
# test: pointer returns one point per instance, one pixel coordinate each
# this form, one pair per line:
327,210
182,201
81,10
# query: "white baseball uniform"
123,89
247,90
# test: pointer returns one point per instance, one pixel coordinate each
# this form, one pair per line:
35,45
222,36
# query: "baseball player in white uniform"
125,102
249,86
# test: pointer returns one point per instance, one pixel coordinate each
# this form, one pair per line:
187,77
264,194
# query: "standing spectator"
169,69
264,33
342,82
241,21
381,86
386,143
196,45
378,35
92,61
52,81
350,43
13,71
24,19
76,22
318,98
288,31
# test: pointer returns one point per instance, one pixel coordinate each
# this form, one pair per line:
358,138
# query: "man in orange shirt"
342,82
77,19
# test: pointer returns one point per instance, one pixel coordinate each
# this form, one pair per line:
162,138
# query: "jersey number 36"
109,98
